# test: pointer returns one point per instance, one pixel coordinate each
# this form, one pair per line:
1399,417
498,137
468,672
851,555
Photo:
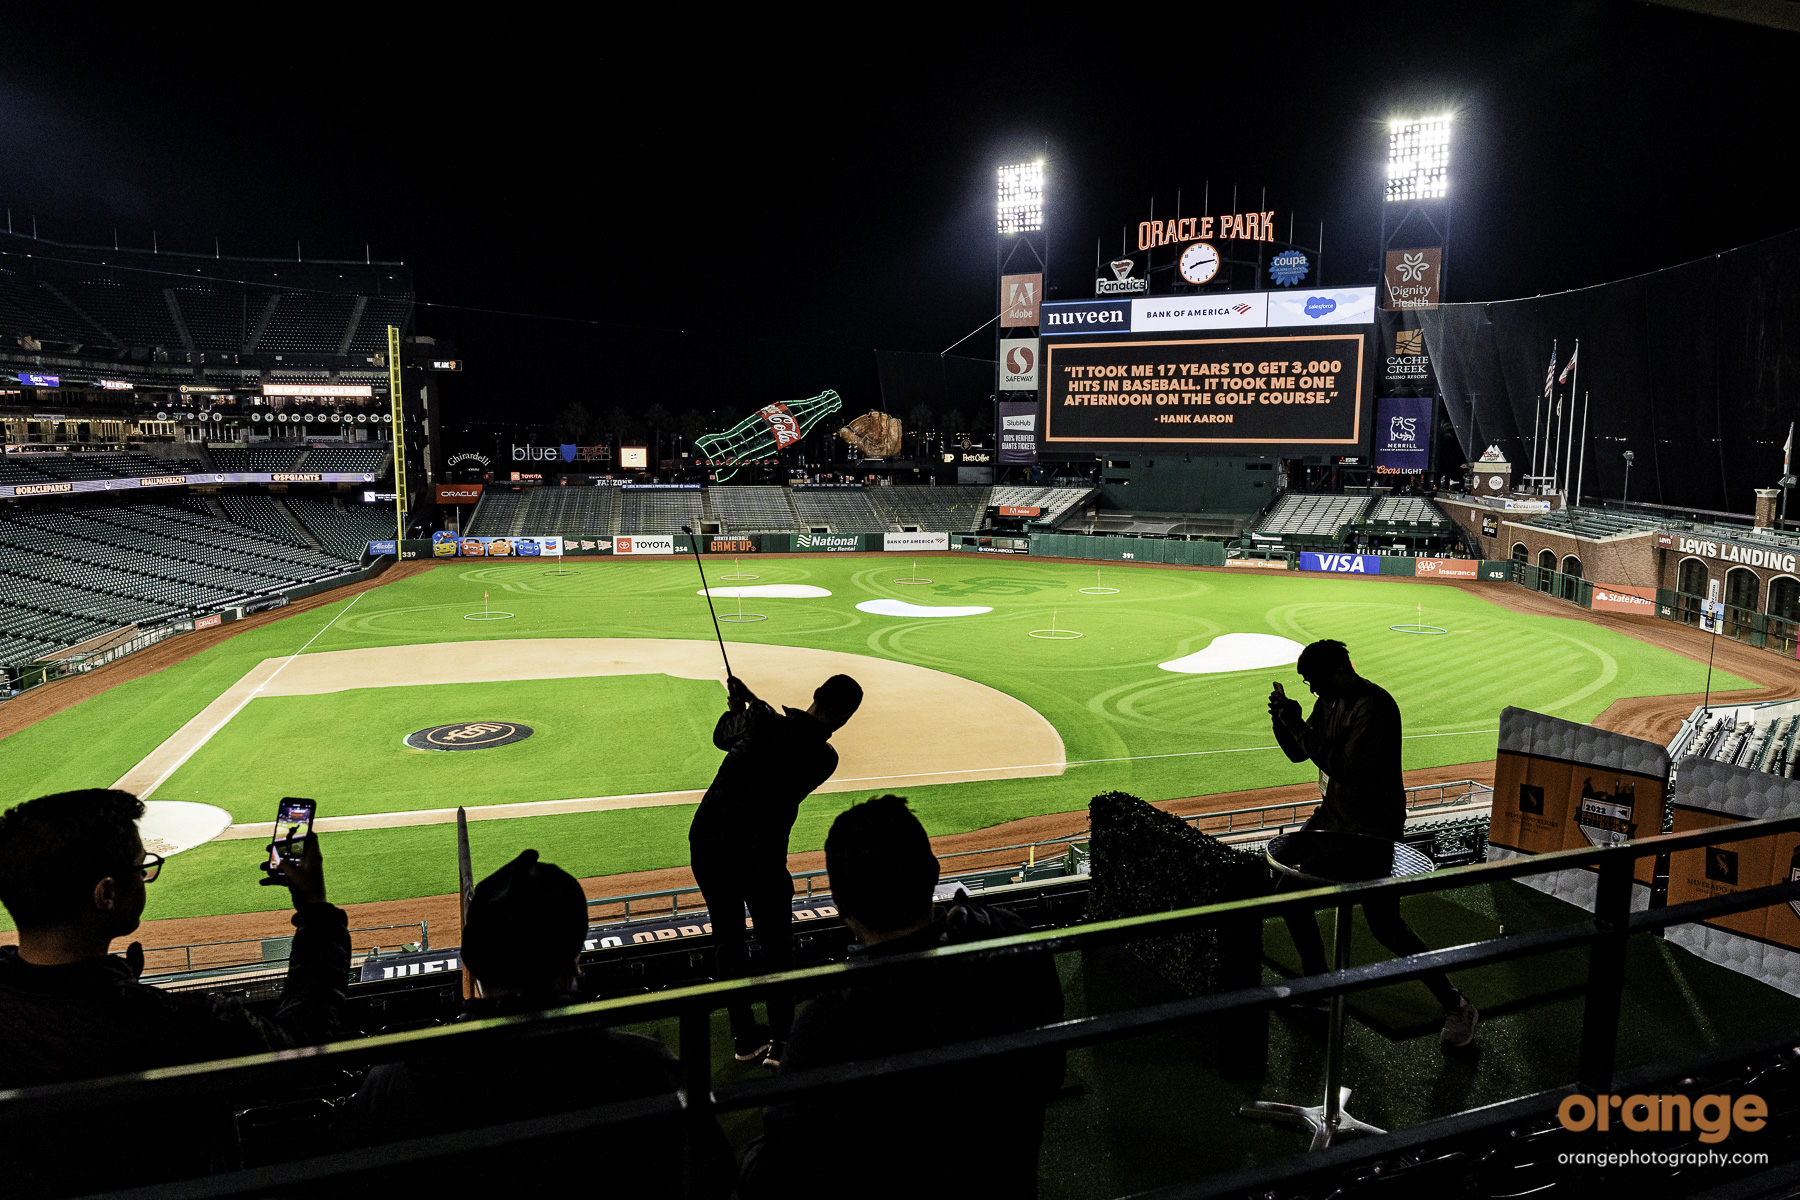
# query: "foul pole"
398,436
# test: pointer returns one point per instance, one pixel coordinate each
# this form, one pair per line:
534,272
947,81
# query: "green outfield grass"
1125,723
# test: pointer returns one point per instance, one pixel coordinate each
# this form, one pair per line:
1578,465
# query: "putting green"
1124,722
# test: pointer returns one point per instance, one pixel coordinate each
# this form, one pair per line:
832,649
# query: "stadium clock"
1199,263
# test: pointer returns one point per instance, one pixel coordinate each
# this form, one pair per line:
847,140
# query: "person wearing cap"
738,842
523,938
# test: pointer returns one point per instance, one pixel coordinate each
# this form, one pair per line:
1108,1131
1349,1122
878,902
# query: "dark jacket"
1355,741
93,1018
456,1088
773,761
979,1125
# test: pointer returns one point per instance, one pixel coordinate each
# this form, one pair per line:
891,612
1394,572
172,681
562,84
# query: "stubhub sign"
1341,564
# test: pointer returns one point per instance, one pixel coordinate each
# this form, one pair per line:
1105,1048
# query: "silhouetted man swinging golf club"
1353,735
738,842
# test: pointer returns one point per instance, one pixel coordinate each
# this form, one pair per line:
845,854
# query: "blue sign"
387,547
567,451
1341,564
1288,268
1403,434
30,380
1320,306
1086,316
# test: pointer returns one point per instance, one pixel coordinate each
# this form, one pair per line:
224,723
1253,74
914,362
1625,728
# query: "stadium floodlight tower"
1021,262
1415,213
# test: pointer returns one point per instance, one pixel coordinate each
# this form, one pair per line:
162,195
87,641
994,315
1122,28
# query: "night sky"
791,199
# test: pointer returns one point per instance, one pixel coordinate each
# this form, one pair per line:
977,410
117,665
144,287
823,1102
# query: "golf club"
694,544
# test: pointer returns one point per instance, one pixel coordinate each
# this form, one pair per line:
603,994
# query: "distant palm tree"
658,419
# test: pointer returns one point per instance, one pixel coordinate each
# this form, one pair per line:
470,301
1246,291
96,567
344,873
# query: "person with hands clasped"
1353,736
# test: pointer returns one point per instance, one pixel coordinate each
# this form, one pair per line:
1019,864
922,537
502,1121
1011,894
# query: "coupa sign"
1341,564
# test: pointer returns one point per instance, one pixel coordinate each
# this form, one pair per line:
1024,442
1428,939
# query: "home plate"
900,608
1237,652
783,591
171,826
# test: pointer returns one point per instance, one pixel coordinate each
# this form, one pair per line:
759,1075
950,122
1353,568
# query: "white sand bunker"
782,591
171,826
1238,652
900,608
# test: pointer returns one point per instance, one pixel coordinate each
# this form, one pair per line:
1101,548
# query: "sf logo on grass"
469,735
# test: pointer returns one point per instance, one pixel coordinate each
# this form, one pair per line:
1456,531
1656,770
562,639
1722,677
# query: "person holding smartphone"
738,842
74,875
1353,735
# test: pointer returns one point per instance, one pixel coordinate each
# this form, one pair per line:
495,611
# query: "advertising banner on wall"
1018,431
1618,597
915,541
1559,785
1403,434
1305,390
644,543
1341,564
1232,310
1018,364
457,493
741,543
495,547
812,543
1446,568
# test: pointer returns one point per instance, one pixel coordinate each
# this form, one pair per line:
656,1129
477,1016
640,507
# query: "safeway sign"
1018,364
641,543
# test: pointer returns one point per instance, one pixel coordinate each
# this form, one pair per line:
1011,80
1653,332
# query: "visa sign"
1341,564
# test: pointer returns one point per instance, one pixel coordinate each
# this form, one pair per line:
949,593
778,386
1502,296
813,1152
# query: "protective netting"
1696,369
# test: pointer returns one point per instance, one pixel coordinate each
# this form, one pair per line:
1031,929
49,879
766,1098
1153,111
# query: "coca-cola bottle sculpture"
764,433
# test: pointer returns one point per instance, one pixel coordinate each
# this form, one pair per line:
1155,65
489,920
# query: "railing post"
1606,975
696,1097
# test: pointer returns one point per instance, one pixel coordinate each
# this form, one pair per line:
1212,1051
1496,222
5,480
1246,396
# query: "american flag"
1550,373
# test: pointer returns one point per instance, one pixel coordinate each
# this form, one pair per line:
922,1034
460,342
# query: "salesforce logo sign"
1320,306
534,454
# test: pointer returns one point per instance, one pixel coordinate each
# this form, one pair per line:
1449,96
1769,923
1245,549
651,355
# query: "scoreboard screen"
1305,392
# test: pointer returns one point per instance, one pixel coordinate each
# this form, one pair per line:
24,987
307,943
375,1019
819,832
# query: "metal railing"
1418,797
1603,934
223,959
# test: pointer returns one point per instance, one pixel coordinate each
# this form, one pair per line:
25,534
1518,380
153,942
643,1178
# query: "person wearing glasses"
73,873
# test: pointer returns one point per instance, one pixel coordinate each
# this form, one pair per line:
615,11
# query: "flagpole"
1582,473
1569,457
1787,454
1555,463
1536,447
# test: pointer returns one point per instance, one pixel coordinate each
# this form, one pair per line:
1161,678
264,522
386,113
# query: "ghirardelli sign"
1412,277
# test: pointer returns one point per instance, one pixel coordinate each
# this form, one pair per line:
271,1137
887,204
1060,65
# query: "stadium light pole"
1019,237
1415,224
1625,498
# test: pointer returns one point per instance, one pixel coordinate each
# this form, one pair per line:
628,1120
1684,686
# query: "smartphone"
293,825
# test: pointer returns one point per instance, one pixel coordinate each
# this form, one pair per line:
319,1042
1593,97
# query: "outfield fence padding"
1124,549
